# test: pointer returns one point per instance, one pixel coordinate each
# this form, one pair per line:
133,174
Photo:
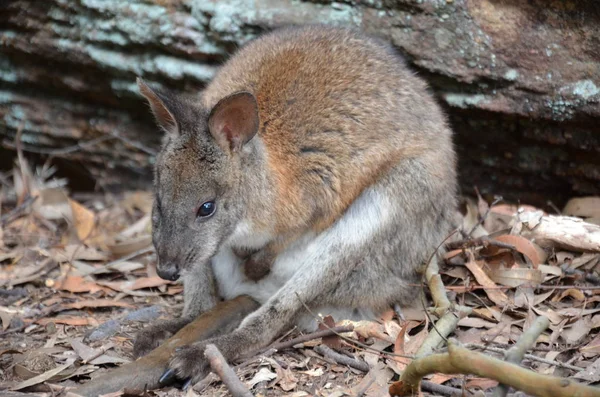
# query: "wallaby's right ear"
159,103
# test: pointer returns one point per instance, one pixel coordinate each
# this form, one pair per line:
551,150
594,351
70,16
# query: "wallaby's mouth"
170,273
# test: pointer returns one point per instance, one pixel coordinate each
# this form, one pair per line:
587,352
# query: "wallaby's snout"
167,270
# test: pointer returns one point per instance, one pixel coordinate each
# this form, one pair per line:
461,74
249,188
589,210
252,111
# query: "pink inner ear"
234,120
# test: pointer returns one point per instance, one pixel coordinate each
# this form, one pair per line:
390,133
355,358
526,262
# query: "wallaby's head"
198,176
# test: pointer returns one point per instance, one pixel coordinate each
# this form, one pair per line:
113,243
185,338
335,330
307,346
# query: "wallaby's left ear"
162,107
234,121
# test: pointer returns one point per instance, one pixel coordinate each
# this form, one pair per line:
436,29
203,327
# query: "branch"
459,360
529,357
341,359
227,375
516,353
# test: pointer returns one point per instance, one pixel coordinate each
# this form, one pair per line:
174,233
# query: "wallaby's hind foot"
145,372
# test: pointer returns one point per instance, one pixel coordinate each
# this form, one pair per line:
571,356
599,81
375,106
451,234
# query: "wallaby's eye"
206,209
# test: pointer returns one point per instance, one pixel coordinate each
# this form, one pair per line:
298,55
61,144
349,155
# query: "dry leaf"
43,377
83,220
578,331
490,288
481,383
573,293
313,372
532,251
591,374
332,341
264,374
438,379
554,317
130,246
592,348
74,252
515,277
471,220
287,380
475,323
77,284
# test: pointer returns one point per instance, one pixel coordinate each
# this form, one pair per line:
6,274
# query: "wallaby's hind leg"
145,372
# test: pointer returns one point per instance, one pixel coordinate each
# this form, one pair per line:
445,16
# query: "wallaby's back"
336,110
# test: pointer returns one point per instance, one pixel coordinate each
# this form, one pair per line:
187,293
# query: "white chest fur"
231,279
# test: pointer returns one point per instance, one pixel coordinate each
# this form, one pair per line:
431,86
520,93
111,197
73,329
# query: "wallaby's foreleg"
199,296
145,372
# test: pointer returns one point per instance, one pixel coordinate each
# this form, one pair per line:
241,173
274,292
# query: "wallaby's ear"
159,104
234,120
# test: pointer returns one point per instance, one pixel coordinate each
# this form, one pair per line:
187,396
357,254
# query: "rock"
520,80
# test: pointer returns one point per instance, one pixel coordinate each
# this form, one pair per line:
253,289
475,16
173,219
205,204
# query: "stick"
516,353
444,390
329,353
211,377
483,241
529,357
459,360
227,375
302,338
15,212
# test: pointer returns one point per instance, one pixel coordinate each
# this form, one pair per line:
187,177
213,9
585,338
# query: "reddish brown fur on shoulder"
330,105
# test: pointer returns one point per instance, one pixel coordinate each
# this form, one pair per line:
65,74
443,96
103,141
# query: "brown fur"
297,115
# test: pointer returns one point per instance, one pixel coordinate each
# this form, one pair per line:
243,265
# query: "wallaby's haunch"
314,168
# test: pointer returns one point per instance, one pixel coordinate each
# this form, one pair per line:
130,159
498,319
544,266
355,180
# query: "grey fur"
363,156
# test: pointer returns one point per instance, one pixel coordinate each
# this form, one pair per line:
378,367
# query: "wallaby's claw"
167,377
187,384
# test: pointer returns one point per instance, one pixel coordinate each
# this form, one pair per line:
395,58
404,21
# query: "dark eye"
206,209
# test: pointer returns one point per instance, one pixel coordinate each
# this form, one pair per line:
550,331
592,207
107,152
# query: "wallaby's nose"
168,272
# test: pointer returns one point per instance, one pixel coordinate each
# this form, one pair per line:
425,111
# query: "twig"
591,278
329,353
15,212
483,241
225,372
139,146
470,288
315,335
529,357
448,321
444,327
211,377
459,360
303,338
516,353
65,150
101,351
444,390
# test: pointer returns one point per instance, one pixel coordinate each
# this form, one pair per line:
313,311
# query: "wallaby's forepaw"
189,364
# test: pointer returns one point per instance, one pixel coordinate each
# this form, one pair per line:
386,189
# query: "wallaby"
315,156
